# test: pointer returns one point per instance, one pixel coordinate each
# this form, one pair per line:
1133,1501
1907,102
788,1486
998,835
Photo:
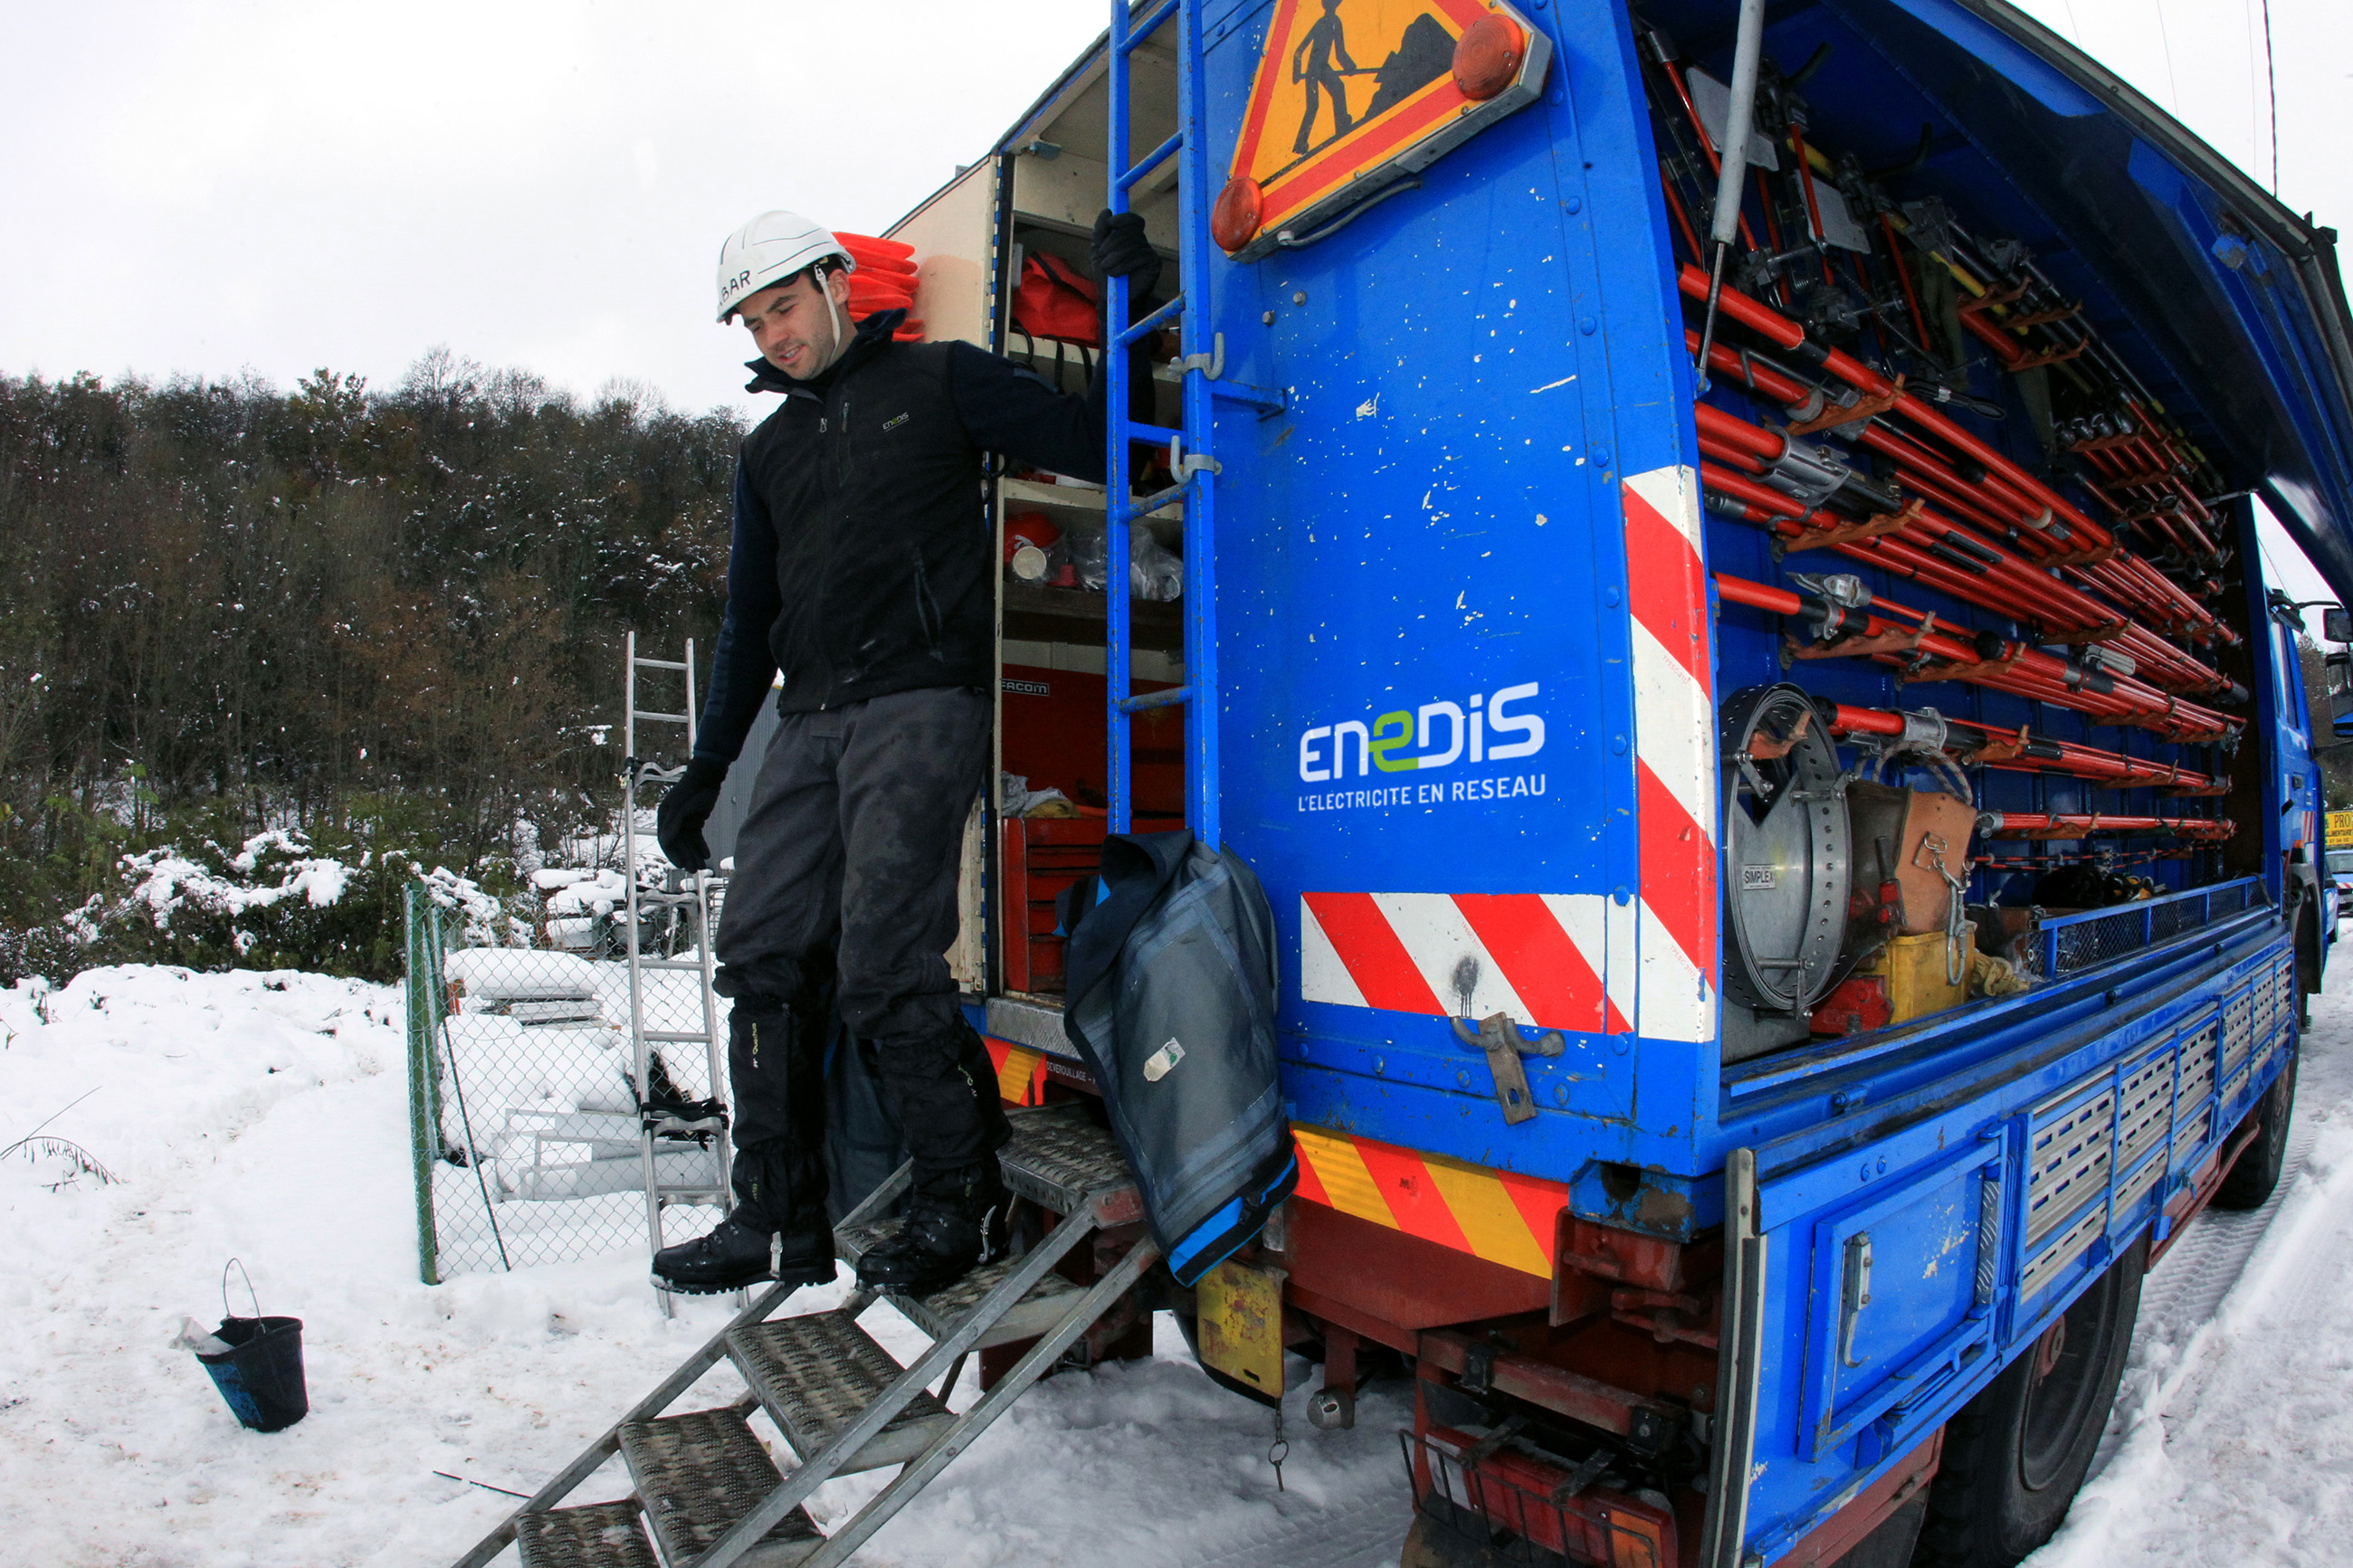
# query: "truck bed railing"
2069,944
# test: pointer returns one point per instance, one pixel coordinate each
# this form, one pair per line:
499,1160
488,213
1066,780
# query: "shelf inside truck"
1035,613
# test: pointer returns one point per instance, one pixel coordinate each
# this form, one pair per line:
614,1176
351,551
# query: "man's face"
792,327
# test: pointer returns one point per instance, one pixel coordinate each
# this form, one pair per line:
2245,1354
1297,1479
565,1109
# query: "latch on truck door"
1854,1293
1502,1040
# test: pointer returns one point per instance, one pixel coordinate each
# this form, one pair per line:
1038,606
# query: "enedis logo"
1490,727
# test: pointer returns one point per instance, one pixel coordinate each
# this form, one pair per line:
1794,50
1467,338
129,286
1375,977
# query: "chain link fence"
524,1099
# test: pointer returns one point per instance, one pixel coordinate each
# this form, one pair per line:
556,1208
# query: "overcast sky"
281,185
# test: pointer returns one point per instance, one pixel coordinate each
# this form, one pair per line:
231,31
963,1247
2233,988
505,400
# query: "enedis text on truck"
1484,728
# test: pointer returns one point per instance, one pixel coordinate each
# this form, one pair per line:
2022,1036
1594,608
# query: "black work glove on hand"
1123,250
678,822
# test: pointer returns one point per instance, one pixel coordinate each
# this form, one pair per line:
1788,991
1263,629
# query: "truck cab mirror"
2340,681
2336,624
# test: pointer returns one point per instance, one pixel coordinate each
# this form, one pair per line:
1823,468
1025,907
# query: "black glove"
678,822
1123,250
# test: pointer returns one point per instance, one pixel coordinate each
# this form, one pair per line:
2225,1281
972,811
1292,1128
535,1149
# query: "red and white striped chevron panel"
1544,958
1674,752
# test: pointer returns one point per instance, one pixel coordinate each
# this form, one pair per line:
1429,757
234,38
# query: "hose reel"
1787,856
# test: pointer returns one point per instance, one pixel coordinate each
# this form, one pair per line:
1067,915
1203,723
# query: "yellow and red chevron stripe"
1500,1216
1020,1071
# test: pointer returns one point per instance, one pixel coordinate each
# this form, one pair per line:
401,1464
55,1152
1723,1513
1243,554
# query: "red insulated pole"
1762,319
2034,674
2081,762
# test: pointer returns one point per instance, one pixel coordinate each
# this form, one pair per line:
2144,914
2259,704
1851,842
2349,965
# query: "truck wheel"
2249,1185
2016,1453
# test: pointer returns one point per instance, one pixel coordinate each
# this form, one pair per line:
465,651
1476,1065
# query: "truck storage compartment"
1953,501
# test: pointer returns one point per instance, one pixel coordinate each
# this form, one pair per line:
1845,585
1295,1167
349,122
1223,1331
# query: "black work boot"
738,1253
956,1222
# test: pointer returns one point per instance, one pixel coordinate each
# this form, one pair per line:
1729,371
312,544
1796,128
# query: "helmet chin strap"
840,331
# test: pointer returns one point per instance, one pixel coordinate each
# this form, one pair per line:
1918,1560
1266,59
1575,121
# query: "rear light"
1234,220
1487,56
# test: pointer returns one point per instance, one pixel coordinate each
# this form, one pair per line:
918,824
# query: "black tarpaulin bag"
1171,1002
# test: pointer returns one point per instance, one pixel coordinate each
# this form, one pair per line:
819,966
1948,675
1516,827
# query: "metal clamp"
1212,365
1502,1040
1185,464
1933,844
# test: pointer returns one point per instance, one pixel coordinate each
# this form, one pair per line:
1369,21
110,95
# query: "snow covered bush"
273,902
330,900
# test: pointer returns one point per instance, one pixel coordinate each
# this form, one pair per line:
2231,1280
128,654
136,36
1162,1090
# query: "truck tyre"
2249,1185
2016,1453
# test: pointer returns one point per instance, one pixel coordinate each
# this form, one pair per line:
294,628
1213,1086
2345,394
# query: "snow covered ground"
263,1117
2232,1437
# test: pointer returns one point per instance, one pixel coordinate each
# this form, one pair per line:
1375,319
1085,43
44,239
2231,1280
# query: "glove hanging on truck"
678,822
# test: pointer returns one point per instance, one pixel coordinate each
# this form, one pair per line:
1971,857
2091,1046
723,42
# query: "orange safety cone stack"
885,281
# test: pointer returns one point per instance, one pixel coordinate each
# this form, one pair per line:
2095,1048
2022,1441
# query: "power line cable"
2271,93
2165,37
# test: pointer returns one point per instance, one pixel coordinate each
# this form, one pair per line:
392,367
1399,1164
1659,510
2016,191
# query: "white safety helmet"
768,250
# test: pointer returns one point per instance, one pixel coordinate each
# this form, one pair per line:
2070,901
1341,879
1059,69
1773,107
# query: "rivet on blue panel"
1621,896
1600,456
1616,745
1464,1078
1587,325
1609,597
1575,203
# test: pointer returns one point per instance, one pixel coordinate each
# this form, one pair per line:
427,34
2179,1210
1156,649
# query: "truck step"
1060,1160
814,1374
602,1535
935,1314
697,1475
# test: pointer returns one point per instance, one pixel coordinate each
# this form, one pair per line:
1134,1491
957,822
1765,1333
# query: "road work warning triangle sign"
1348,88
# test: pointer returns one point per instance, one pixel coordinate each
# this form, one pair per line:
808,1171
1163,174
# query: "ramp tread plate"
697,1474
1060,1160
1039,1309
601,1535
851,1243
815,1374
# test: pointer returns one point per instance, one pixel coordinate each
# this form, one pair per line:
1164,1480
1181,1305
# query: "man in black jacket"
863,566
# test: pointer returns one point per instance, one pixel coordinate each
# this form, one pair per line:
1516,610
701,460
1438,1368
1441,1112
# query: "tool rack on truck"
1787,800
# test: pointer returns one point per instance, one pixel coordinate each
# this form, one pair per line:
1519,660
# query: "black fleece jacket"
861,563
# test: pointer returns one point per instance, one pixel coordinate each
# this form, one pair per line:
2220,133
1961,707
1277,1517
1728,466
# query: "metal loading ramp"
705,1492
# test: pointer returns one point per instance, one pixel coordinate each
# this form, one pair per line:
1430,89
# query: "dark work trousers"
843,900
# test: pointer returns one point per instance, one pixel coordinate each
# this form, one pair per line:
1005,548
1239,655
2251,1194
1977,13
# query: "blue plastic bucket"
260,1375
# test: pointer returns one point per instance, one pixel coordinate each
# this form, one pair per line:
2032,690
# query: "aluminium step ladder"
705,1492
690,894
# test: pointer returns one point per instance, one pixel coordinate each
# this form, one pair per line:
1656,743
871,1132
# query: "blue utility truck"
1798,878
1706,554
